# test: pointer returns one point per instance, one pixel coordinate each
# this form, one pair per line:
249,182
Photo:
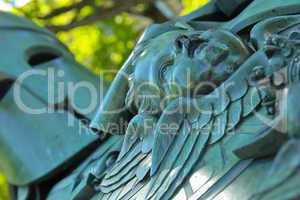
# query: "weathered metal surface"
34,146
251,91
236,137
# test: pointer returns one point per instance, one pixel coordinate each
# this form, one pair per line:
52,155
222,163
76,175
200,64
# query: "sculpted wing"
223,111
158,173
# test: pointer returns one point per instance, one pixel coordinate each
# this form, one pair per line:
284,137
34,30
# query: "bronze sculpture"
210,111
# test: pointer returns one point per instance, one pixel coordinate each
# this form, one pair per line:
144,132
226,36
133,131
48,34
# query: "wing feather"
220,101
128,177
131,166
164,135
126,189
191,162
144,168
195,145
251,101
234,115
204,117
174,151
130,139
106,196
219,128
147,143
120,165
115,194
237,88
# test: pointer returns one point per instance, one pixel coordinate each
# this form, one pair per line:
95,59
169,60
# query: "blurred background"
100,33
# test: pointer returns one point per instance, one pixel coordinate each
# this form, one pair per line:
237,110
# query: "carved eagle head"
182,63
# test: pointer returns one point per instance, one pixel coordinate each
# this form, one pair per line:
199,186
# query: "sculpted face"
184,63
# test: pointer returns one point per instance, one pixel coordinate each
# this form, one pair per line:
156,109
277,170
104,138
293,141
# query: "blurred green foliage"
191,5
99,46
3,189
103,45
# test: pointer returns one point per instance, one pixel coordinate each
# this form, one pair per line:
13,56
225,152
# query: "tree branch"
154,13
64,9
100,13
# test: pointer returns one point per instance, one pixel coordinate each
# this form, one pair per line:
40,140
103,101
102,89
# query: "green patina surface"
236,140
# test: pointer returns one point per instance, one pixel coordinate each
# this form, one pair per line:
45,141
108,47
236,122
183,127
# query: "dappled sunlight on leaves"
102,46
